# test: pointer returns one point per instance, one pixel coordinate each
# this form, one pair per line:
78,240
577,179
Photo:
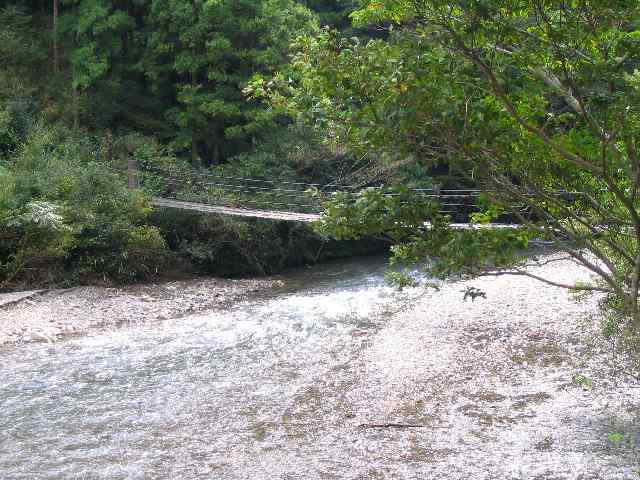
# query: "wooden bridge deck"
287,216
238,212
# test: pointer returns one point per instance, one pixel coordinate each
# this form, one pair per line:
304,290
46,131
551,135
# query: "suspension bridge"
211,193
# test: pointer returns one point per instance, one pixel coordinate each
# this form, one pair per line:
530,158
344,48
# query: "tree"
54,32
62,209
22,55
96,33
540,109
333,13
383,98
21,52
200,55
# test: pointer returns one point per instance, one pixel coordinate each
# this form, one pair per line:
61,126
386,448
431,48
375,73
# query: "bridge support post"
132,173
436,191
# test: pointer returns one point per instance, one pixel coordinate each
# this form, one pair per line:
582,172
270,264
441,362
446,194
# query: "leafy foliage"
88,85
534,102
60,206
231,246
203,53
421,234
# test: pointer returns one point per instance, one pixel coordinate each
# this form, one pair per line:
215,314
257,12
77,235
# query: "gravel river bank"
48,316
332,375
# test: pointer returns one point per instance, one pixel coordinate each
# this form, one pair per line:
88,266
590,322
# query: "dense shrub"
233,246
66,215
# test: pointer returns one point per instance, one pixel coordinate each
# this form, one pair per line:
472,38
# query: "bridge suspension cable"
274,196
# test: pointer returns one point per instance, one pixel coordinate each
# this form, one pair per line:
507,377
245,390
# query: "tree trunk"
76,109
56,62
108,147
216,154
195,158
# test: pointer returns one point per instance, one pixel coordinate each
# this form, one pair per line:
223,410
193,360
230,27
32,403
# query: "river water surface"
234,394
320,381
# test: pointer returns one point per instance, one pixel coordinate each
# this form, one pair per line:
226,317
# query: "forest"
534,104
88,85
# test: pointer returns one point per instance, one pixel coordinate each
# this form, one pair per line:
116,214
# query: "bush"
233,246
61,206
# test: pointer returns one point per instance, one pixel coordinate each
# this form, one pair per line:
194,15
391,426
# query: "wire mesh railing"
300,197
282,194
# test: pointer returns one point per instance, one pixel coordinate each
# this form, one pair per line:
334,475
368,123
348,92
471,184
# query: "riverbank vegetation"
534,103
88,86
531,104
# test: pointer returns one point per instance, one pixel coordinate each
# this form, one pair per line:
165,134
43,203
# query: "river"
219,392
275,387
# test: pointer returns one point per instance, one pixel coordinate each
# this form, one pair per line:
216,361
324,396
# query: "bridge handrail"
256,180
297,193
320,185
233,190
